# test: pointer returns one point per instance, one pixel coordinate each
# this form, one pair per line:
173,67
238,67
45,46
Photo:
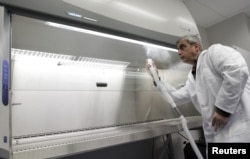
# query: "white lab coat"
222,79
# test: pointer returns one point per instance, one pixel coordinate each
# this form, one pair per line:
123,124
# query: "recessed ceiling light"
76,15
90,19
72,14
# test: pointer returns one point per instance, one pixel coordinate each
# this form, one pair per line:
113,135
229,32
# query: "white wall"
233,31
204,37
249,24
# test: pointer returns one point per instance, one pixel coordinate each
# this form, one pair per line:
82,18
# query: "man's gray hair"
191,39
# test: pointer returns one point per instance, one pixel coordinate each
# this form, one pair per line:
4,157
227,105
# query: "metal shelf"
60,144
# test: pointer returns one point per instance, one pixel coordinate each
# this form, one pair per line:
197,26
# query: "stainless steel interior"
74,92
65,143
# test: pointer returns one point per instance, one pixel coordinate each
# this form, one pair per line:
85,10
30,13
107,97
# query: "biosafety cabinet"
73,83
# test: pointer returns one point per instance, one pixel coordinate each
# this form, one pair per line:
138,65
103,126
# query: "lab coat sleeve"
232,68
180,96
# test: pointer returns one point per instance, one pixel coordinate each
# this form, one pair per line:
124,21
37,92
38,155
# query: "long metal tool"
170,100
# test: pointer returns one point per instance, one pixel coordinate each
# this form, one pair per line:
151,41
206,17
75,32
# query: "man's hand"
151,65
218,121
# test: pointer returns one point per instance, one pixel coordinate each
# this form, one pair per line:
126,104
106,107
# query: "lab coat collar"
199,61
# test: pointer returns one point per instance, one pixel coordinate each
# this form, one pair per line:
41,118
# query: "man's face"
187,52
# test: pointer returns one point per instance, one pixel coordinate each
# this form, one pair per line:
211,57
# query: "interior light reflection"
69,60
109,36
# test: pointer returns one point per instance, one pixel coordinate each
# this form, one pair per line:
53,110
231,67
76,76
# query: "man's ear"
197,47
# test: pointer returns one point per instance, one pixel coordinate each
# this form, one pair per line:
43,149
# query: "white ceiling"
205,12
209,12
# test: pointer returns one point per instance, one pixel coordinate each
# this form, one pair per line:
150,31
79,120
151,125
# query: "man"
219,87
